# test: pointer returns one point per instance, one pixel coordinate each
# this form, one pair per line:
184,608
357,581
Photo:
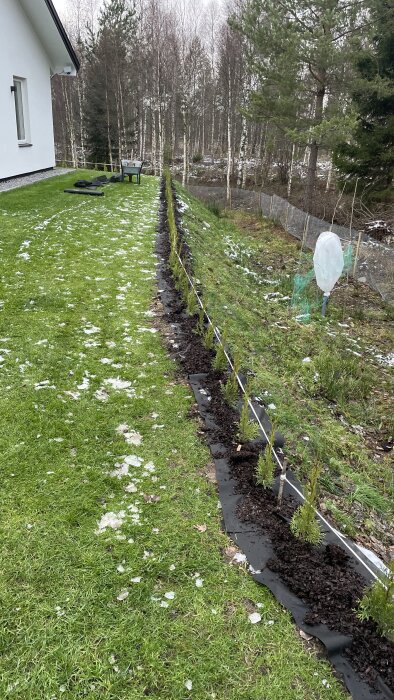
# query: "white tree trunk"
185,159
154,139
229,143
161,141
290,180
81,122
143,142
242,151
70,122
329,177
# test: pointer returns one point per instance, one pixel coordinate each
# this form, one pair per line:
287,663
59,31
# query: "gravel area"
14,182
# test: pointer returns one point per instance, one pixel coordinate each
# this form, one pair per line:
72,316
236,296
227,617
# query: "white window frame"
21,111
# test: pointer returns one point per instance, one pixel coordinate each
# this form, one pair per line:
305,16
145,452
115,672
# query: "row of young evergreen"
264,84
377,602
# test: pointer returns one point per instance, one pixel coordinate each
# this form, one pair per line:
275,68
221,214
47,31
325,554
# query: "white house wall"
22,55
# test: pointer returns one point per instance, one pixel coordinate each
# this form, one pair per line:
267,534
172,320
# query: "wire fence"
373,262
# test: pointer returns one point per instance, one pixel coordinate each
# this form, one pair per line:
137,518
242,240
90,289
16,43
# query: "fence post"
287,215
305,233
271,203
360,233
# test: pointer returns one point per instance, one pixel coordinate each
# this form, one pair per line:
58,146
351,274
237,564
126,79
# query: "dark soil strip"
319,586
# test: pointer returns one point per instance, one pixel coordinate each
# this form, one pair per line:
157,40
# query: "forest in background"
292,96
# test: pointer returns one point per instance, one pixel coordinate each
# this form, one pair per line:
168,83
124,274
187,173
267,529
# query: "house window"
21,113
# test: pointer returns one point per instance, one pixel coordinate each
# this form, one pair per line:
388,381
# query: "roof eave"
66,41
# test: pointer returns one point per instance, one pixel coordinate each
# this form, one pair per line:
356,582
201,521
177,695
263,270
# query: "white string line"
322,518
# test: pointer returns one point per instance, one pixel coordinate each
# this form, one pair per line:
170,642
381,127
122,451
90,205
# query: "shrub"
192,305
377,603
342,379
304,524
208,338
230,389
220,361
213,208
200,327
266,465
248,429
197,158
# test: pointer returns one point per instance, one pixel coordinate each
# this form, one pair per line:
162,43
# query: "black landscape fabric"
93,193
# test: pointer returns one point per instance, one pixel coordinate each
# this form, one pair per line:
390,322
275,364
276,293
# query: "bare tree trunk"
212,147
329,177
143,144
119,126
203,118
154,139
242,150
314,150
81,121
109,141
184,124
229,142
290,180
70,122
123,139
188,149
161,141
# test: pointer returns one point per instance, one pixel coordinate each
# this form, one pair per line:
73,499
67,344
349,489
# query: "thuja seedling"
266,465
304,524
200,327
377,603
192,306
230,389
220,361
208,337
248,429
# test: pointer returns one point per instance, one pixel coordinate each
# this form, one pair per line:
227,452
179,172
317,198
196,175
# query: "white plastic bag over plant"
328,261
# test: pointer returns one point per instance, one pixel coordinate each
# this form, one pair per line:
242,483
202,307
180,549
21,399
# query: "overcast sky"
62,4
59,4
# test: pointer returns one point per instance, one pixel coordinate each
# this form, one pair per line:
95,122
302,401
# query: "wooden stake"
360,233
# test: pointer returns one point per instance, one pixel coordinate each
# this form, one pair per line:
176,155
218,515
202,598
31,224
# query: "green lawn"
328,384
95,433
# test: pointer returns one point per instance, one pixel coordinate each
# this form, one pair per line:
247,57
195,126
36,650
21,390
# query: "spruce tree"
108,88
369,155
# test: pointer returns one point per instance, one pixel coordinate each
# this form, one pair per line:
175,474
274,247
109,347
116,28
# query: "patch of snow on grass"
110,520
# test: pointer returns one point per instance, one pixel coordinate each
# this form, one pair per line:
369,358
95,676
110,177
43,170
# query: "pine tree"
369,156
299,52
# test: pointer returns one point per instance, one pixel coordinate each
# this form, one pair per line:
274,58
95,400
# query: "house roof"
53,36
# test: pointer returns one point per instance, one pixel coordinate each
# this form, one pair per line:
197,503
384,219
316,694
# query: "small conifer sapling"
220,361
248,429
192,306
208,337
266,465
304,524
200,327
377,603
230,389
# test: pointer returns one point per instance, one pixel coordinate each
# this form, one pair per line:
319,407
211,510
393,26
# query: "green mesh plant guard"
300,300
348,259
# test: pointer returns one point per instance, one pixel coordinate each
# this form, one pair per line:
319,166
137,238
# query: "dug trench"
320,586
